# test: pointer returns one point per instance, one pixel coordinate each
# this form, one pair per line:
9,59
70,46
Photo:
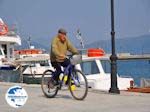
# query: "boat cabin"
8,40
97,71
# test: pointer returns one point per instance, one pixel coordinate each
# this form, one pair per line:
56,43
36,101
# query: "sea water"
137,69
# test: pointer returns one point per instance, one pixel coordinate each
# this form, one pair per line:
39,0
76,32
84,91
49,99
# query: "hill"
38,45
133,45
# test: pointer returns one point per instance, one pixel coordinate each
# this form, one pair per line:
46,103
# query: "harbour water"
136,68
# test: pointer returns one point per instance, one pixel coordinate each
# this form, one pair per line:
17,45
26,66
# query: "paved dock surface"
96,101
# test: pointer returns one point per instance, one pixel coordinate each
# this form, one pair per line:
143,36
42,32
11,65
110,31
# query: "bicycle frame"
68,72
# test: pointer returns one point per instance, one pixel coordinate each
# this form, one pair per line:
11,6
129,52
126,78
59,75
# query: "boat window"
32,65
44,63
11,52
4,47
106,65
89,68
1,52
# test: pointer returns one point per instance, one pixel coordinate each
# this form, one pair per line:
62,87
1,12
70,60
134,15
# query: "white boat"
33,61
97,71
37,62
8,39
96,66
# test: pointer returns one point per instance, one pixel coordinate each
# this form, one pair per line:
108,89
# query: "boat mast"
29,42
79,37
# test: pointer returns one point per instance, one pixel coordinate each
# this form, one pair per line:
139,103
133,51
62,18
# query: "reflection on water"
136,68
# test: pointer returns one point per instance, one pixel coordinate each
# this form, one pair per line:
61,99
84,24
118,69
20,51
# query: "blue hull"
9,74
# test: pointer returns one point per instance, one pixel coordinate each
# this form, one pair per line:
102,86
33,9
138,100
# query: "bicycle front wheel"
45,85
78,85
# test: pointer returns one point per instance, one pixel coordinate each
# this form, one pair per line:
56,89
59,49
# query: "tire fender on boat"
3,29
92,52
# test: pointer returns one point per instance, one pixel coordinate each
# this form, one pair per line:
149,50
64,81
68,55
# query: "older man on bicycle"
59,47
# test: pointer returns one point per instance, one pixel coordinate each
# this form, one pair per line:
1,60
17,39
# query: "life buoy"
3,29
92,52
29,51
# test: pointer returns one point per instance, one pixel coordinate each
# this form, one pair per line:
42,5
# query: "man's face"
62,37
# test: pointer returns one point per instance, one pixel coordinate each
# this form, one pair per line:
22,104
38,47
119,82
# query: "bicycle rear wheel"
78,85
45,85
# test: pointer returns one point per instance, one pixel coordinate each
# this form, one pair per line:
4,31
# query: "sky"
41,19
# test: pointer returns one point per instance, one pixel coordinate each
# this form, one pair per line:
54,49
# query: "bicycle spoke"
45,85
78,85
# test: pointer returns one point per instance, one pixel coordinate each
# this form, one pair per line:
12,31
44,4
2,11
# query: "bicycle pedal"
48,91
58,86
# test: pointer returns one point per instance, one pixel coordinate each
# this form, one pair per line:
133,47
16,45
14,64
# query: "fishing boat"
96,66
36,61
9,71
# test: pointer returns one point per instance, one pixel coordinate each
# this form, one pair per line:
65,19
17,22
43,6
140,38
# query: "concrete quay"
96,101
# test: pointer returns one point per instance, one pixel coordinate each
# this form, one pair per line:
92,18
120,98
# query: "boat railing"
12,34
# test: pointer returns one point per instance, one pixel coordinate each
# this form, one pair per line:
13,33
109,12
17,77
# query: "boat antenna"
79,37
15,27
29,42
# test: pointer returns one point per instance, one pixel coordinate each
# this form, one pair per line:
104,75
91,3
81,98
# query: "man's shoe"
52,83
